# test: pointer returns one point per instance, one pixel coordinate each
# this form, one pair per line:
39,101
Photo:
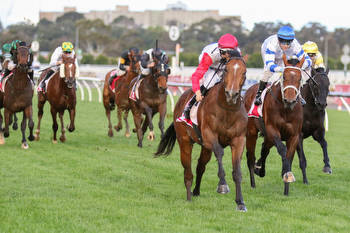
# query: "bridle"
283,88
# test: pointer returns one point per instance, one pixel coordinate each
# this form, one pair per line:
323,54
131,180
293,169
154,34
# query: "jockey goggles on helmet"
284,41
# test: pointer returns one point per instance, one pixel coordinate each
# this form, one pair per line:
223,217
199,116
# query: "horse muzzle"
162,89
231,96
289,103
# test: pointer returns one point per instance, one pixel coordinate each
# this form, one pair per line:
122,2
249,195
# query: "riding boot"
5,73
31,75
262,86
43,84
188,107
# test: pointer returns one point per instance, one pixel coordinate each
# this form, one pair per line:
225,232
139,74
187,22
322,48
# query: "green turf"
93,183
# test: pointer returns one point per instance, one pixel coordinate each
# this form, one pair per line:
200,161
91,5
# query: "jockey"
272,51
148,60
6,56
123,64
56,60
211,67
311,49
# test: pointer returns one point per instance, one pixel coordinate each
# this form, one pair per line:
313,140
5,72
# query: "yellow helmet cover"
310,47
67,47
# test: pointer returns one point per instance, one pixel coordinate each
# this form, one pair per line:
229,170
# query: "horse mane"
234,53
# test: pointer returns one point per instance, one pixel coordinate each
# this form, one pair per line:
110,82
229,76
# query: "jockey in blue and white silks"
272,51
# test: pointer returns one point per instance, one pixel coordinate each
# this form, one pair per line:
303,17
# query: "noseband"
283,88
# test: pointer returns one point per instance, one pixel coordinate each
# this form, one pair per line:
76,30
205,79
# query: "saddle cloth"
114,83
256,110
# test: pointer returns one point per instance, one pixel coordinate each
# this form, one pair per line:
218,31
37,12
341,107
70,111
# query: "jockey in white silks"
210,68
272,51
56,61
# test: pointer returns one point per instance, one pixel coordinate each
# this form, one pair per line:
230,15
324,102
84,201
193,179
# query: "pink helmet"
228,41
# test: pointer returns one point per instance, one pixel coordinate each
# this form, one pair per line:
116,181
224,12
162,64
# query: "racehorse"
282,121
18,95
315,92
60,93
120,95
222,121
152,99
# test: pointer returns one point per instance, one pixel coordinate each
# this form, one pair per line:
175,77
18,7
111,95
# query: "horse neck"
20,78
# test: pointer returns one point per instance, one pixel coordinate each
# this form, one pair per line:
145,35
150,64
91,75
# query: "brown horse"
282,121
120,95
18,96
61,96
222,121
152,99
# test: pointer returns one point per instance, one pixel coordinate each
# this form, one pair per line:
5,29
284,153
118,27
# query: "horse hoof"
259,171
37,137
14,126
195,192
31,138
241,208
288,177
223,189
62,139
327,170
127,134
110,133
139,145
54,141
71,129
134,130
6,135
2,140
151,136
117,128
24,145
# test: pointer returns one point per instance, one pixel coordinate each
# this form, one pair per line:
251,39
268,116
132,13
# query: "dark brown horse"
152,99
282,121
18,96
222,121
120,95
61,96
315,92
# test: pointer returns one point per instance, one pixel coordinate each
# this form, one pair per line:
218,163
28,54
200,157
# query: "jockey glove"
278,69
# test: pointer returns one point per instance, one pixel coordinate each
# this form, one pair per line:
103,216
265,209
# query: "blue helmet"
286,33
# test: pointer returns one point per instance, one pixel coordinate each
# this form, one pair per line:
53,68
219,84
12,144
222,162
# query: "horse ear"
17,44
327,70
30,45
301,62
284,57
75,56
245,58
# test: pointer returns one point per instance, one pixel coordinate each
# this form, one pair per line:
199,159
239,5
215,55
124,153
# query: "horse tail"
167,143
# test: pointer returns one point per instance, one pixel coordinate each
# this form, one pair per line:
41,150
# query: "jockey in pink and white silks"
272,51
211,66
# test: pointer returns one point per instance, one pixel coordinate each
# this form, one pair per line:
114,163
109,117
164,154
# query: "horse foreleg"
119,116
71,127
260,165
237,147
108,114
63,131
202,162
292,143
23,130
302,159
29,115
41,103
150,124
219,153
54,124
162,114
127,127
137,122
15,124
2,139
319,137
7,115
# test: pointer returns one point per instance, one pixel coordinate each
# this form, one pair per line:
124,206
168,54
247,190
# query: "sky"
331,14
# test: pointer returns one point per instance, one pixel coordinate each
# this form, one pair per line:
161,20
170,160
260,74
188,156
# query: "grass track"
94,183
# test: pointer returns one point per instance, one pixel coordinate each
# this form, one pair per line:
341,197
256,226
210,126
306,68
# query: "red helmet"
228,41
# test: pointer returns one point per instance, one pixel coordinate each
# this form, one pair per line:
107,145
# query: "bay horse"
152,99
120,95
282,121
222,121
18,96
315,92
61,94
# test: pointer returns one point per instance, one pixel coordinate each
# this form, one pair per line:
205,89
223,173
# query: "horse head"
291,81
234,78
69,69
319,87
135,57
22,56
160,72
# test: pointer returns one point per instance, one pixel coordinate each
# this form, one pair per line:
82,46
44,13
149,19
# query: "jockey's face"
224,54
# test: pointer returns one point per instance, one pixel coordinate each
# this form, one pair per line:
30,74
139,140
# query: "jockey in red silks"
211,66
